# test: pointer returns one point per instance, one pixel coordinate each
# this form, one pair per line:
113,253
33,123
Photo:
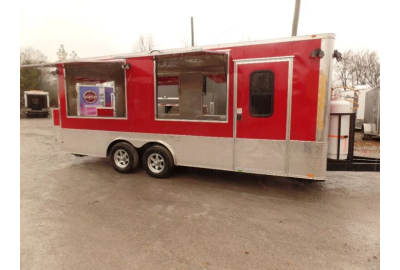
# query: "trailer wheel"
124,157
158,162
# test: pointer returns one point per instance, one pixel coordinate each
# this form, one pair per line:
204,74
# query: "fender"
367,128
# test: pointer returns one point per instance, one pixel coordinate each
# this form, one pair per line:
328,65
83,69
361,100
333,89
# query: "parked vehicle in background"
36,103
371,125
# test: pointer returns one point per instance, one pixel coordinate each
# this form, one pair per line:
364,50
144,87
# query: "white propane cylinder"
339,105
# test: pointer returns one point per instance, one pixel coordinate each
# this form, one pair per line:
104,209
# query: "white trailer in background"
371,125
363,90
357,94
37,103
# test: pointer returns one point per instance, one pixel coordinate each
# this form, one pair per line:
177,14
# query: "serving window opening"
192,86
95,89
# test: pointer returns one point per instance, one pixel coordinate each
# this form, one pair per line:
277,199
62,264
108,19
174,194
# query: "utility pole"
296,18
191,18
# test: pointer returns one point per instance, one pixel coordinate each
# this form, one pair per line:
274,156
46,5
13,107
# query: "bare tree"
73,55
61,53
30,77
145,43
343,70
357,68
373,73
31,56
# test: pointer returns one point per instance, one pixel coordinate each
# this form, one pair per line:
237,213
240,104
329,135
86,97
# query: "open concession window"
192,86
95,89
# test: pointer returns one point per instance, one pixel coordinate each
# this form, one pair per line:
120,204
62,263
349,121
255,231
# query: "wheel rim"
156,163
121,158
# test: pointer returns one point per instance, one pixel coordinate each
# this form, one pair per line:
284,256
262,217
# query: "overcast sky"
95,28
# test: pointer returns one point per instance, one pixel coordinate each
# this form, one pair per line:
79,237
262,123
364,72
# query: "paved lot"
78,213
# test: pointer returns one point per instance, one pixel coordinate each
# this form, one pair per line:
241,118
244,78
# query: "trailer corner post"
324,92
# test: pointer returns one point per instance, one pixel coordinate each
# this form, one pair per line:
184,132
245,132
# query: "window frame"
271,93
225,52
64,68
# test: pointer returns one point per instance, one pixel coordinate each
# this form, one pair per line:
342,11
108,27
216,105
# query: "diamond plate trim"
266,156
308,158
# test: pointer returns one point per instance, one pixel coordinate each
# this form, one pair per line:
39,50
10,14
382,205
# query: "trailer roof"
36,92
208,49
103,59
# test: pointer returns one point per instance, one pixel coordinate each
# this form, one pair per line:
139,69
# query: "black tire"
118,157
164,167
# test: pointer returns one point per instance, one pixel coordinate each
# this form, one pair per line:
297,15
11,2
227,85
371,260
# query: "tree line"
40,78
360,67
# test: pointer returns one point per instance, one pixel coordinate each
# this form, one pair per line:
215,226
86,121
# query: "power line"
226,31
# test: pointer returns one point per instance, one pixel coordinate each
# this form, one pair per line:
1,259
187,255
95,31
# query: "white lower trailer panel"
304,160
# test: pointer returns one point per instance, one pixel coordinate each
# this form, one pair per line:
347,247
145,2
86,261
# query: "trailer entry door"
262,125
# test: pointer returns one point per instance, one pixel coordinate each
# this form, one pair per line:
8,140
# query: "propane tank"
339,105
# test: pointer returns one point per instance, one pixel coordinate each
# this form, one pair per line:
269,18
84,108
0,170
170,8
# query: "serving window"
192,86
95,89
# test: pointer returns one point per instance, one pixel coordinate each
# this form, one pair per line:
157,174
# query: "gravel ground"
78,213
366,148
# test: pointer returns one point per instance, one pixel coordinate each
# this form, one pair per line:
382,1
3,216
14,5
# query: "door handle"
239,116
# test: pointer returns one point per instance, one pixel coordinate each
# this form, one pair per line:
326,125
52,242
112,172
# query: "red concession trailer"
259,107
